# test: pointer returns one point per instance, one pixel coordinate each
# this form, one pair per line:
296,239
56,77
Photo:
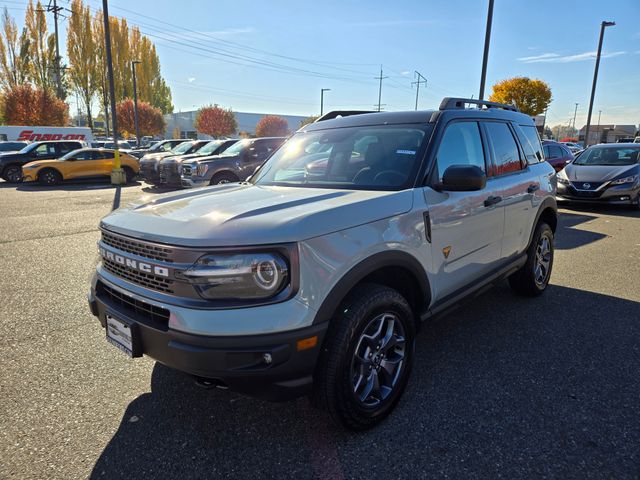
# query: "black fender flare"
393,258
547,203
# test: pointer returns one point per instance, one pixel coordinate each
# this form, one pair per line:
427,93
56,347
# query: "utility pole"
603,25
53,7
417,83
485,57
322,90
117,174
574,116
380,88
135,101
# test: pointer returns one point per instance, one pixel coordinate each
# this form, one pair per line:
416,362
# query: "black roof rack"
342,113
449,103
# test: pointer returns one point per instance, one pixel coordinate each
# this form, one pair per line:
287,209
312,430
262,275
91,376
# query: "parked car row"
199,163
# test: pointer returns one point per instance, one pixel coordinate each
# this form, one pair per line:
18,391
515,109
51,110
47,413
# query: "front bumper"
150,174
615,195
237,362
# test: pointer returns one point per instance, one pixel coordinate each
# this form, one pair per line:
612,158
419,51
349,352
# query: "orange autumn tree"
272,126
150,119
216,121
26,105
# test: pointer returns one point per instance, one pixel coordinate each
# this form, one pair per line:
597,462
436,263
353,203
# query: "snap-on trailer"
35,134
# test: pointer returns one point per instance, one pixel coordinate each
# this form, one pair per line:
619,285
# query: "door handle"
533,187
492,200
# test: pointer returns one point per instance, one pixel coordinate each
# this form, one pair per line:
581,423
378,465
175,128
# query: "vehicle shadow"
568,237
537,387
159,190
614,210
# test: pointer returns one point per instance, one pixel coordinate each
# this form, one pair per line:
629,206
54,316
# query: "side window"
504,147
546,151
46,150
527,146
96,155
534,140
67,147
555,151
461,144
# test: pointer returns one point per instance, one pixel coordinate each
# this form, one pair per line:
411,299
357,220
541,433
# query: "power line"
380,88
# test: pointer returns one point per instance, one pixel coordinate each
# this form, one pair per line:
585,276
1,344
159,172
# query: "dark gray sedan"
606,173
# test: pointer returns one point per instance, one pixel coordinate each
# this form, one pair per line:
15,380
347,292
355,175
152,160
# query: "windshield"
70,154
608,156
183,147
237,147
210,147
29,147
366,158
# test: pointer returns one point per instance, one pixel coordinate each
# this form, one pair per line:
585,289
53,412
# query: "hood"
247,214
11,156
210,158
596,173
155,157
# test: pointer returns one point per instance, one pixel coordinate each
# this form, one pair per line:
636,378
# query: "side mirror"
463,178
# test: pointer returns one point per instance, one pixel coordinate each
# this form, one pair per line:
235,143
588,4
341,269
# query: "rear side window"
506,155
461,145
66,147
555,151
534,140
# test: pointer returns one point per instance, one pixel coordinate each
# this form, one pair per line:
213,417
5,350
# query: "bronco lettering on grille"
134,264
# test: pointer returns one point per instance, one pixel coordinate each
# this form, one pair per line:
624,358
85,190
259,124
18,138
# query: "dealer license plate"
120,335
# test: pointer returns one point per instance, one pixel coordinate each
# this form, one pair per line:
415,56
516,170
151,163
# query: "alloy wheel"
378,360
543,260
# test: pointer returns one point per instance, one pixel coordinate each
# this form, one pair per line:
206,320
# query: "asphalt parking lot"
503,387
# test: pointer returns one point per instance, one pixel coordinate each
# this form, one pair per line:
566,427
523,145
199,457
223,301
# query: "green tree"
83,72
530,96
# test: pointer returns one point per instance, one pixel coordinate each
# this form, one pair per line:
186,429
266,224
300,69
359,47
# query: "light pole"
574,116
603,25
117,174
485,57
322,90
599,134
135,101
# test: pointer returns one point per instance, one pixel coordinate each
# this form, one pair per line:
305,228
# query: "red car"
557,154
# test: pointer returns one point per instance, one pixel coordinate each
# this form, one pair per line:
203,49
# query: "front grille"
132,305
142,249
587,194
589,186
143,279
169,172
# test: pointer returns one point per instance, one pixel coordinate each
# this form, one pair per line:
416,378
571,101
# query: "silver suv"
313,277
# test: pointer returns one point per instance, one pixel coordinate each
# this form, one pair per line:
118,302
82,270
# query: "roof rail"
341,113
449,103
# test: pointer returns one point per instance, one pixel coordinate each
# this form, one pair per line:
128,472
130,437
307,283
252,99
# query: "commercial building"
607,133
184,123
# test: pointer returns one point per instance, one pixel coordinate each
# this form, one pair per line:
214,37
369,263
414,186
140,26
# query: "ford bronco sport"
313,276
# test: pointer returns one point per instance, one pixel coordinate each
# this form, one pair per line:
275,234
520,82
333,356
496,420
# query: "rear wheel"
366,359
532,279
223,177
13,173
49,176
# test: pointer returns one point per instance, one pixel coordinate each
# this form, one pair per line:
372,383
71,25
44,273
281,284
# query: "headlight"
562,177
620,181
201,169
238,276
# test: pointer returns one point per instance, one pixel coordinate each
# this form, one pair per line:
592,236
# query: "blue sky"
275,56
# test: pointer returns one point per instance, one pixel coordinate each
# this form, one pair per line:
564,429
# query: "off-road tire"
49,176
333,382
524,280
223,177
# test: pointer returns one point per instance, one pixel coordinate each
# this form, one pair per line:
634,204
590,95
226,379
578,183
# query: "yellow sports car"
81,163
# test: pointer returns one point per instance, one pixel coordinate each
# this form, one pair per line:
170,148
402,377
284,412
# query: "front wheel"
223,177
13,174
366,360
532,279
129,174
